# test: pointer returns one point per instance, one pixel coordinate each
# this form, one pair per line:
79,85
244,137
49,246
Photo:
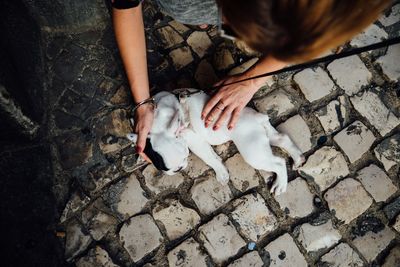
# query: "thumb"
141,141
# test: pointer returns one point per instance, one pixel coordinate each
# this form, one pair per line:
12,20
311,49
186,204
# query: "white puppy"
178,126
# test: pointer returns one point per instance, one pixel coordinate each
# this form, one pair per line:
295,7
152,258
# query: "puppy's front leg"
206,153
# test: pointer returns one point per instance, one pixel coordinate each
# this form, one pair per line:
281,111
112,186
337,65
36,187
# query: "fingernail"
230,127
215,127
202,117
138,149
206,125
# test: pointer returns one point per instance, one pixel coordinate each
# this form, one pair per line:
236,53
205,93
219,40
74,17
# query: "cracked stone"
199,42
251,259
77,240
316,237
342,256
187,254
176,218
126,197
96,257
196,166
97,222
370,106
244,67
388,151
76,201
314,83
376,182
333,116
253,216
371,244
209,194
350,74
242,175
98,177
392,18
297,129
220,238
297,200
348,199
325,166
129,163
223,59
140,236
373,34
169,37
355,140
205,75
284,252
181,57
390,64
158,182
275,104
393,259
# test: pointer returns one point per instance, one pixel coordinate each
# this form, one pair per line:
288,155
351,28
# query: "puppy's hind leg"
283,141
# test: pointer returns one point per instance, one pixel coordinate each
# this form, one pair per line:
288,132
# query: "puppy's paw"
222,176
299,162
278,187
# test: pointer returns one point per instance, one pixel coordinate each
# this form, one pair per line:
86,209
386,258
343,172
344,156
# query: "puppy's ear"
132,137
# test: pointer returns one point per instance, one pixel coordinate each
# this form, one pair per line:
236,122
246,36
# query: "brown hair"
299,30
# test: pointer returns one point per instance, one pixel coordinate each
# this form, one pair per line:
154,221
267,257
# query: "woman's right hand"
144,116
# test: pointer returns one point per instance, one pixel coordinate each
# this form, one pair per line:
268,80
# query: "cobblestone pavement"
341,208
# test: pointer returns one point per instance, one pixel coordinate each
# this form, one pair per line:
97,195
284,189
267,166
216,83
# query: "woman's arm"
129,34
229,101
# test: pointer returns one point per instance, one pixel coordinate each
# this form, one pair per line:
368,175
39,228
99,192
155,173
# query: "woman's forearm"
264,65
129,34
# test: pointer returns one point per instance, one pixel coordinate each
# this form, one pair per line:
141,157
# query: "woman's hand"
143,121
229,101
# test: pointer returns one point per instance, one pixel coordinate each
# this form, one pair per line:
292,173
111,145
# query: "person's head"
299,30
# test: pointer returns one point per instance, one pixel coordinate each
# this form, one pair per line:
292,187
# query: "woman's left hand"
229,101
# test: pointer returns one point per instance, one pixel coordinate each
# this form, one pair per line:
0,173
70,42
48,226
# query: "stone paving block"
158,182
169,37
297,129
115,123
393,259
187,254
314,83
284,252
99,176
96,257
209,194
181,57
251,259
77,240
370,106
333,116
297,201
179,27
140,236
199,42
126,197
205,75
390,63
388,151
350,74
77,201
355,140
223,58
371,244
342,256
392,18
243,67
196,166
74,150
315,237
253,216
97,222
396,224
373,34
220,238
325,166
275,104
376,182
348,199
242,175
176,218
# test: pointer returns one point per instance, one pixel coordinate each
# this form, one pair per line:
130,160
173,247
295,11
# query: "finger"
222,118
212,116
209,106
141,140
145,157
234,118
